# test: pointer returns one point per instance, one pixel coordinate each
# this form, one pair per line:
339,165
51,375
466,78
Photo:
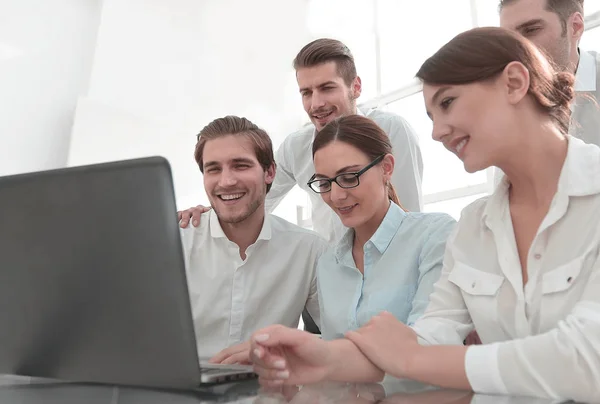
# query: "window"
591,6
453,207
352,22
590,40
411,31
487,13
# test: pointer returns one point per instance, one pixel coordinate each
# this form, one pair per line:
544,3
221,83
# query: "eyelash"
530,31
446,102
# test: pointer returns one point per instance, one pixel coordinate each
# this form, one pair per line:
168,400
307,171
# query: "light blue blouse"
402,261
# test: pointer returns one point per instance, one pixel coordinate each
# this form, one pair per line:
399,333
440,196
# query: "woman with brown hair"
523,265
388,259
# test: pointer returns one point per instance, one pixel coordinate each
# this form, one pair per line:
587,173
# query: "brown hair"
362,133
481,54
328,50
563,8
236,126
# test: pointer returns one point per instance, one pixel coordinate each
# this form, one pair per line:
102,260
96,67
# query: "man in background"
556,26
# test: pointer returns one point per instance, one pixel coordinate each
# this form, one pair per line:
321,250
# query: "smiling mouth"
346,209
321,117
230,197
461,144
457,147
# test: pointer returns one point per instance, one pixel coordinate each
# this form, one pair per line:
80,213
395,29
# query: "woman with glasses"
388,259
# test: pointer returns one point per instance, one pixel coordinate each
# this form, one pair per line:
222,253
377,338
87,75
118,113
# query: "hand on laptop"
236,354
184,216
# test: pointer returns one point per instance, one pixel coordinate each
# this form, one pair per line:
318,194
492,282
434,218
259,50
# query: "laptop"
92,279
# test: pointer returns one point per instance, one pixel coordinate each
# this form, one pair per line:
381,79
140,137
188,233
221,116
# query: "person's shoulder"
592,56
191,231
393,124
594,53
304,133
382,117
431,222
471,215
431,217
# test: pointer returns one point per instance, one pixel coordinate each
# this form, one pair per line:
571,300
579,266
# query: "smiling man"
330,86
556,26
246,269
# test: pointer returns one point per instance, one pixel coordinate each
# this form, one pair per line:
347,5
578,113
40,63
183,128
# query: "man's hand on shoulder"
194,214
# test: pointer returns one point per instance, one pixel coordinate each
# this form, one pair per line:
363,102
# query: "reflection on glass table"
390,391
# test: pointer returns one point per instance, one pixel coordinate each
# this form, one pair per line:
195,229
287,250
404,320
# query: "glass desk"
390,391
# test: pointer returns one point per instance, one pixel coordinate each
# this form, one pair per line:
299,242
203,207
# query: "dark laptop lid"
92,277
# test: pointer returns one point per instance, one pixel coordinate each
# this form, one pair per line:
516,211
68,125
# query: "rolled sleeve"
483,370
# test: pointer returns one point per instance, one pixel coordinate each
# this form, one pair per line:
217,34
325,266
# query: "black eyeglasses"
344,180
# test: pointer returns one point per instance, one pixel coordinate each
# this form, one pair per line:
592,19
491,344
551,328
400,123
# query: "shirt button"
569,279
473,284
537,256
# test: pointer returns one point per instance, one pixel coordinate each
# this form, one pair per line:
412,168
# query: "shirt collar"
388,228
216,231
579,176
383,235
585,77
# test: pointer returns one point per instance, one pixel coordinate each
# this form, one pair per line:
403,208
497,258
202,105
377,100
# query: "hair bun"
564,88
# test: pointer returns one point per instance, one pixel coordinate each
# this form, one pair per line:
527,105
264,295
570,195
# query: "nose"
227,178
337,193
440,131
317,101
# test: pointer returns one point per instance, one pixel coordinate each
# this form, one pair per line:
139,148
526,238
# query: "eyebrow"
327,83
209,164
356,167
529,23
437,95
242,160
238,160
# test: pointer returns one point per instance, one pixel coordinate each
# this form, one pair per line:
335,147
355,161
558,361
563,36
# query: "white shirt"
542,340
295,166
231,298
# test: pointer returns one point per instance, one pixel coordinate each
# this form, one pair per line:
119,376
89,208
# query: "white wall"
164,69
46,50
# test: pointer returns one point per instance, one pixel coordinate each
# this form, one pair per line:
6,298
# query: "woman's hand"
283,355
386,342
